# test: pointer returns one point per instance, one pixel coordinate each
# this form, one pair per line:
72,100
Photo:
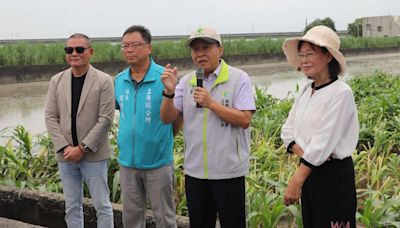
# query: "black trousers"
328,196
207,198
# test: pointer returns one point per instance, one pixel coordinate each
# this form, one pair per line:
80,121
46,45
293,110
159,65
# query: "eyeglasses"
306,56
79,49
133,45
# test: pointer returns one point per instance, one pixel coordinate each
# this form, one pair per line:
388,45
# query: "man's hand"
73,154
169,78
202,97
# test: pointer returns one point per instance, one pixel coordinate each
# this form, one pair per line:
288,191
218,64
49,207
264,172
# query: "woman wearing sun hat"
322,129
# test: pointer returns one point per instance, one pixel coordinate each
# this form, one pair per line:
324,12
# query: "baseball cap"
205,33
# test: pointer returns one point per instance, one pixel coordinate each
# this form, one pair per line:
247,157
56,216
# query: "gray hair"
80,35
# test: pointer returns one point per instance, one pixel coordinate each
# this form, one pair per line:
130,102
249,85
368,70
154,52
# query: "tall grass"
369,42
377,159
249,47
31,54
39,53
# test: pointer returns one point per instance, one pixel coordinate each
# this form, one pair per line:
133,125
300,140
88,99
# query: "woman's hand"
297,150
293,190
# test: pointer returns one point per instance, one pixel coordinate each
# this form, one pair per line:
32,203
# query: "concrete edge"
47,209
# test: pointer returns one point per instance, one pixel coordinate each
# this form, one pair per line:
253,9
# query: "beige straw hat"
321,36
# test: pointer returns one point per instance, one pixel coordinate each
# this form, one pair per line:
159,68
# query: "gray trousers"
157,185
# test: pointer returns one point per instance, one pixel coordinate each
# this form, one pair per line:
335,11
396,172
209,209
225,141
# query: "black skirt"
328,196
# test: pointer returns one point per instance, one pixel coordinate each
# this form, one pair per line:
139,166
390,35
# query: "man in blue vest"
216,130
145,142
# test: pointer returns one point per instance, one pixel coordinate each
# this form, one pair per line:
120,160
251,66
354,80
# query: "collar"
216,72
221,72
323,85
148,77
80,77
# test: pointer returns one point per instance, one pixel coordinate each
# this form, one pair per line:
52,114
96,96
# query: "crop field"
376,159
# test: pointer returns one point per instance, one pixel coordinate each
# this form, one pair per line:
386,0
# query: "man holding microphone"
217,104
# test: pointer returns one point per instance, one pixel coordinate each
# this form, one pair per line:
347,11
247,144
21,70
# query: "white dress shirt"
323,124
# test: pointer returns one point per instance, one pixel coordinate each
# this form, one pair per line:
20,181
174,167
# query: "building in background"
381,26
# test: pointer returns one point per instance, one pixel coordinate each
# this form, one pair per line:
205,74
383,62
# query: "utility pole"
306,25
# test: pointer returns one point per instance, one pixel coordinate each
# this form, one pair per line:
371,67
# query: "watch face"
85,148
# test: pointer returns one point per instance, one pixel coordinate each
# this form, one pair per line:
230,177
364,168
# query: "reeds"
22,54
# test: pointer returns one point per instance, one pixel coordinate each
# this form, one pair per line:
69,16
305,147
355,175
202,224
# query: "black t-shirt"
77,85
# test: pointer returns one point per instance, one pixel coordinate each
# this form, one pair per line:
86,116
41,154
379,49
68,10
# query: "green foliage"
266,209
170,49
18,166
106,52
378,100
355,28
326,21
250,47
369,42
22,54
375,211
28,161
31,54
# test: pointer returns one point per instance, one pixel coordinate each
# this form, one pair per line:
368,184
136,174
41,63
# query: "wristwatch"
85,148
170,96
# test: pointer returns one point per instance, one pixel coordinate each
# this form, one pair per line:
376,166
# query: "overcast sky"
20,19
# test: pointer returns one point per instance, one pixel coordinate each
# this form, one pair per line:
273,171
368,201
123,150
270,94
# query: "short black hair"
146,35
333,65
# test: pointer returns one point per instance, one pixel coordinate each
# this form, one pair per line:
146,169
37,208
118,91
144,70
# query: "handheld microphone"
199,81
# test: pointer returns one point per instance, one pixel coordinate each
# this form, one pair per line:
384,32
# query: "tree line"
353,29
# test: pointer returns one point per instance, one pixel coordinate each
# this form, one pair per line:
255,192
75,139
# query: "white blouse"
324,124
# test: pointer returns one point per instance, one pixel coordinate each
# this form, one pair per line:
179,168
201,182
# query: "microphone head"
199,72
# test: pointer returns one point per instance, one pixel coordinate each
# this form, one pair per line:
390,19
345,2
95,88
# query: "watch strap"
170,96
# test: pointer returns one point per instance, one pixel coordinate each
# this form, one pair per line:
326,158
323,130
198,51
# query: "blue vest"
144,141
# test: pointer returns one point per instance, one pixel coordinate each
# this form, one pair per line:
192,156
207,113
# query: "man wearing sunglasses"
79,112
145,143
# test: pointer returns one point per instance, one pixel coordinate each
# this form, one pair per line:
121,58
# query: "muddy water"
22,104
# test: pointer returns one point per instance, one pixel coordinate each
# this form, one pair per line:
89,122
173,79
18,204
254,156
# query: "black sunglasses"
79,50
